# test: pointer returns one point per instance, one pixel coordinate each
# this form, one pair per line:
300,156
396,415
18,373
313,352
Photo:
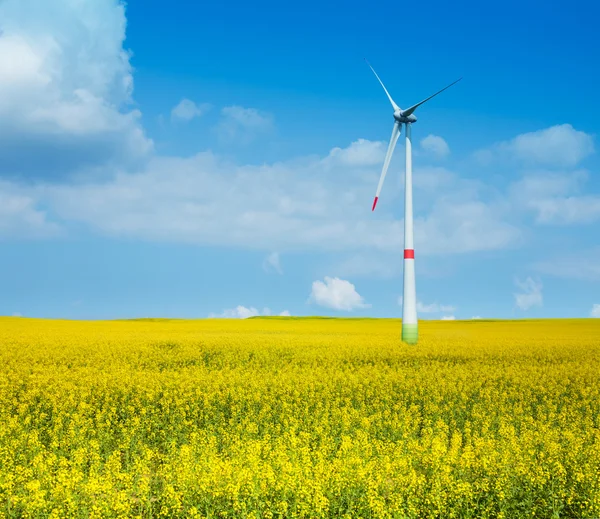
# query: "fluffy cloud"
530,295
82,74
187,110
433,308
432,180
20,218
557,198
239,312
204,199
584,209
559,146
243,124
272,263
338,294
301,204
242,312
464,226
448,318
360,153
65,87
436,146
595,311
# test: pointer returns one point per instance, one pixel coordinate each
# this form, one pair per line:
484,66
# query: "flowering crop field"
284,417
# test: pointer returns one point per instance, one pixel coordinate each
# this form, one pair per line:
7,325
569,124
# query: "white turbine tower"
410,330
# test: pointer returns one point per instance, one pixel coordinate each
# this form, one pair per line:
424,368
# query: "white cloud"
305,203
248,117
187,110
20,66
572,210
595,311
239,312
242,312
301,204
436,146
433,308
21,218
530,295
272,263
338,294
476,317
584,265
65,87
486,156
243,124
204,199
559,146
464,226
433,178
543,184
557,198
448,318
360,153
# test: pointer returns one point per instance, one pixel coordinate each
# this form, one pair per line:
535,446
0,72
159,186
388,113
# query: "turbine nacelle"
402,118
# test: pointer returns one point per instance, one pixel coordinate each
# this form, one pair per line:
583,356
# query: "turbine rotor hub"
401,118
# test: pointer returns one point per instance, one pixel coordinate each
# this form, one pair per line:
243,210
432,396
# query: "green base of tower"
410,333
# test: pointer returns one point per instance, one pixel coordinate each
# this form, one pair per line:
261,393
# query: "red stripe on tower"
409,253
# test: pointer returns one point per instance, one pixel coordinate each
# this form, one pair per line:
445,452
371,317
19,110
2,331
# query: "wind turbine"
410,330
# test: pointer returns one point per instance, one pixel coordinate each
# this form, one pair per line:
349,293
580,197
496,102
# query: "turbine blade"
396,107
386,162
410,110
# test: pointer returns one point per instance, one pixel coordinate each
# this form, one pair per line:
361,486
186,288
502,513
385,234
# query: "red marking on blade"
409,253
375,203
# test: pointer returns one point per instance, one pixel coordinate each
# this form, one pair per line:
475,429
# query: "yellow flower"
311,418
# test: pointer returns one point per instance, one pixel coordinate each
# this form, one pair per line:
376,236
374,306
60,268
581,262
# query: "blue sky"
195,160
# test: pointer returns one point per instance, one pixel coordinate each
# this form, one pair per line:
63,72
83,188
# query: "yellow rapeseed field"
266,418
